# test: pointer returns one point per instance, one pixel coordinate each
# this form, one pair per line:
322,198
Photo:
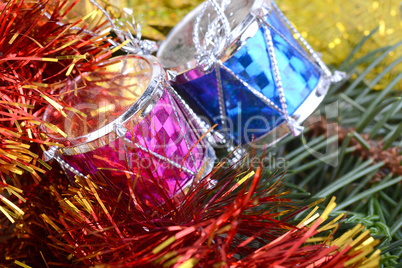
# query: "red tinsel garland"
38,53
241,221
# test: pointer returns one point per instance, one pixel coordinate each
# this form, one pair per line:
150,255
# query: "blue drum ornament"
242,65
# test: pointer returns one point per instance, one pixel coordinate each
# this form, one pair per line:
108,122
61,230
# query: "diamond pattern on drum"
299,76
160,132
248,115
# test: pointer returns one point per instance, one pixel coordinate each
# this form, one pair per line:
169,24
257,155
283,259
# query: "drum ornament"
237,64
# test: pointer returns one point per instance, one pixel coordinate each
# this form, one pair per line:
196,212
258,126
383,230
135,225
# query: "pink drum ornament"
125,123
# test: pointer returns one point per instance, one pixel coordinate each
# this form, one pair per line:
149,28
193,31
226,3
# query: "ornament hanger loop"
217,36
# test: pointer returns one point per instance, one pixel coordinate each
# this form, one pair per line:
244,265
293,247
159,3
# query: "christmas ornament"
244,220
239,66
125,122
337,27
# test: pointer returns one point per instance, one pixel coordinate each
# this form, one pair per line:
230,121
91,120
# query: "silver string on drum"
214,51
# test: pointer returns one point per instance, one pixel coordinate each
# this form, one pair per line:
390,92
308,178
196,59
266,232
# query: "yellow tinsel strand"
333,28
336,27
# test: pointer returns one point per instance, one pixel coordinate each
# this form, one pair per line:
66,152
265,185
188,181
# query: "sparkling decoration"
163,146
228,223
252,64
342,25
261,83
160,132
176,212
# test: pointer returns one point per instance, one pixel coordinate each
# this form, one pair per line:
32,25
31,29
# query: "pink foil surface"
165,131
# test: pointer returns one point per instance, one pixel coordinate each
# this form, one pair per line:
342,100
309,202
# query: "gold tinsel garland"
336,27
333,28
17,209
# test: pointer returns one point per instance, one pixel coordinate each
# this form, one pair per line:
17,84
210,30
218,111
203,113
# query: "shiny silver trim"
138,111
221,98
238,37
246,29
214,137
131,144
317,59
176,114
300,115
52,153
207,167
121,131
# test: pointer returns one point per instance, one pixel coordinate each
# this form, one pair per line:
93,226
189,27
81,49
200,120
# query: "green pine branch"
370,124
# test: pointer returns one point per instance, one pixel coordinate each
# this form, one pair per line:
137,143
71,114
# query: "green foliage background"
365,175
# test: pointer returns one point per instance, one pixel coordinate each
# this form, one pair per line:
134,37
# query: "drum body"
240,113
125,124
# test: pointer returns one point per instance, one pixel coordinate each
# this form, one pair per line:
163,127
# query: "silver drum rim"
139,110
